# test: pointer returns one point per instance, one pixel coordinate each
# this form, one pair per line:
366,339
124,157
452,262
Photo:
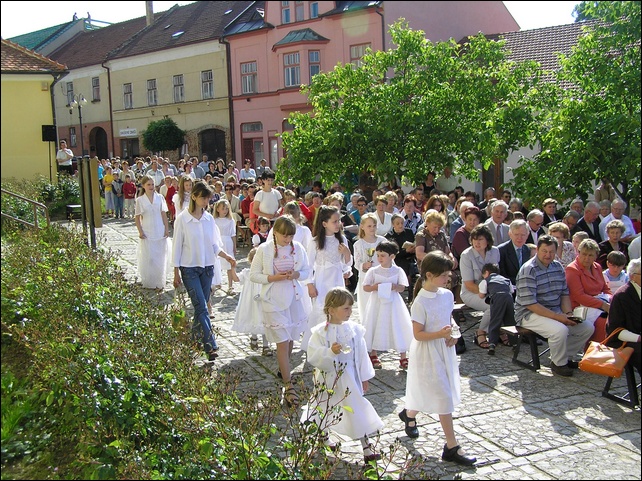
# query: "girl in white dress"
182,195
227,228
279,265
338,352
248,317
153,230
432,385
331,260
386,317
364,256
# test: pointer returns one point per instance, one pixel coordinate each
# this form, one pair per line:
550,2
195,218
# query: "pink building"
274,47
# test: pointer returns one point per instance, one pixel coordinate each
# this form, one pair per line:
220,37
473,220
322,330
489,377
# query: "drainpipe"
230,102
383,28
111,110
56,78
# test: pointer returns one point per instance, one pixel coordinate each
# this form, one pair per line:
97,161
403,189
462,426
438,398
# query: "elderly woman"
614,230
565,250
432,238
460,241
586,284
472,260
625,312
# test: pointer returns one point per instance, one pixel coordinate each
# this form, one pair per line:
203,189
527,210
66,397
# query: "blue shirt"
538,284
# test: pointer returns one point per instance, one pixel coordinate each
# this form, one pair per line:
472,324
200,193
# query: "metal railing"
35,205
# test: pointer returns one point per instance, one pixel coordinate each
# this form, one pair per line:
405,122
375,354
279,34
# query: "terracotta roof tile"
18,59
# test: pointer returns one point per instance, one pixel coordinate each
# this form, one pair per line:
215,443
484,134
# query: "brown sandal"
483,344
503,338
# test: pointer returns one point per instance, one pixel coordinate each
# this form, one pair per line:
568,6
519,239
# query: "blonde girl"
433,384
279,265
182,196
338,352
227,228
364,257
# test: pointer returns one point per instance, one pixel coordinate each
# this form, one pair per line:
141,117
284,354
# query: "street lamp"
79,102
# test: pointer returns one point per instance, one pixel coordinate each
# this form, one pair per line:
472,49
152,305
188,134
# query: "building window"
152,93
70,93
95,88
315,63
248,78
128,98
356,52
314,9
179,89
292,69
207,84
298,11
285,12
252,127
73,140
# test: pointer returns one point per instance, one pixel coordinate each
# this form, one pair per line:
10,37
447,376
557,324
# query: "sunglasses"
229,188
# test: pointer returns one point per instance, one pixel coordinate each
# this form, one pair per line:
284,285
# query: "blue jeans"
118,205
198,283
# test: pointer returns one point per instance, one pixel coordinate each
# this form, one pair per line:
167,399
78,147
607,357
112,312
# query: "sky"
24,17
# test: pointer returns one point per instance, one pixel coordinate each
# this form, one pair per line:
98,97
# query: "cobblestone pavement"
519,424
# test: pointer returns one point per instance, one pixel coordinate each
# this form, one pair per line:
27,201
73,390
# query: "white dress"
386,318
227,229
329,267
361,419
360,257
176,199
152,251
248,317
432,383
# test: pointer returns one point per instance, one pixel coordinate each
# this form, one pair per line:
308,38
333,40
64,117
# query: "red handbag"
604,360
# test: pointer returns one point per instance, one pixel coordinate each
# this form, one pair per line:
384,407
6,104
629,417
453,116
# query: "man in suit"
514,253
535,220
590,223
625,312
495,223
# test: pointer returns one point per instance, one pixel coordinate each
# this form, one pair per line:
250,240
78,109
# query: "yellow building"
27,113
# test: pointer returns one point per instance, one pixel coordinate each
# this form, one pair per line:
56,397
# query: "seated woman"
384,219
614,230
471,263
625,312
460,241
586,284
406,256
565,250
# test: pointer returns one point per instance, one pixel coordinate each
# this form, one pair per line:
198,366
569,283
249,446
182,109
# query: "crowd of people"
408,255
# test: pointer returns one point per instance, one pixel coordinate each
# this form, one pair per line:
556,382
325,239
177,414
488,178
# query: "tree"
593,129
163,135
411,109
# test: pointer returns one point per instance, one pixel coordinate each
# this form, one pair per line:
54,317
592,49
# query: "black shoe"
212,355
573,364
453,455
491,349
561,370
411,431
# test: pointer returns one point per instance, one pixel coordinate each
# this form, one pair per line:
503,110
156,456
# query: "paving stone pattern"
518,423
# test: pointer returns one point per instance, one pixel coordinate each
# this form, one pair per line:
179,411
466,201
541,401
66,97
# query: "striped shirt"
538,284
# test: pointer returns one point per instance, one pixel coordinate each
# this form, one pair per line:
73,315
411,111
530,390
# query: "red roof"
18,59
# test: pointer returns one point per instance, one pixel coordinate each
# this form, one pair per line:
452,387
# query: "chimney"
149,12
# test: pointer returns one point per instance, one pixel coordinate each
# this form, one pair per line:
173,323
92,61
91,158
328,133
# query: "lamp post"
79,102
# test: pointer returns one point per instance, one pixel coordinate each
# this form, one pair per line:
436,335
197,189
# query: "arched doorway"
98,144
213,144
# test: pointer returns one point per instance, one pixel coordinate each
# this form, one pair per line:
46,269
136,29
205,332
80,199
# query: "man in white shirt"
446,182
156,174
618,206
495,223
64,157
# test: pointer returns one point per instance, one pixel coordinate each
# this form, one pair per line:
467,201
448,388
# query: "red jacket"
584,285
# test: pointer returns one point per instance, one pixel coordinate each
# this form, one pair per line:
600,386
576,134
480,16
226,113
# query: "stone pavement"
518,423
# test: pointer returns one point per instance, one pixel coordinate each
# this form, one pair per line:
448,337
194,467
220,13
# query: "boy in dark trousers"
498,291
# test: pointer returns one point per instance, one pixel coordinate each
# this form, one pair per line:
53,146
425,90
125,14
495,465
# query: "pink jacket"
584,285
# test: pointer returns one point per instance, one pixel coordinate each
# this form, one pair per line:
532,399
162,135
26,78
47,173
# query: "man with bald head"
590,223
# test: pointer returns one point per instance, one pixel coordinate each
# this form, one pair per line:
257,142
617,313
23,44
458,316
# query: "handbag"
604,360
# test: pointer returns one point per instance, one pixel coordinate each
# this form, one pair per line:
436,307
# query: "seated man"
514,253
543,305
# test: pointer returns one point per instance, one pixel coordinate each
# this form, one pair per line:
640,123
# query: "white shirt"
64,156
196,242
268,201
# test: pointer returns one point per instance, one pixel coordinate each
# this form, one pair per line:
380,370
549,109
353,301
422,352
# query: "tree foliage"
414,108
593,128
163,135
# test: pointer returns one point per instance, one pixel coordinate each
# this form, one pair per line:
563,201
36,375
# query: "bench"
73,209
631,396
531,337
